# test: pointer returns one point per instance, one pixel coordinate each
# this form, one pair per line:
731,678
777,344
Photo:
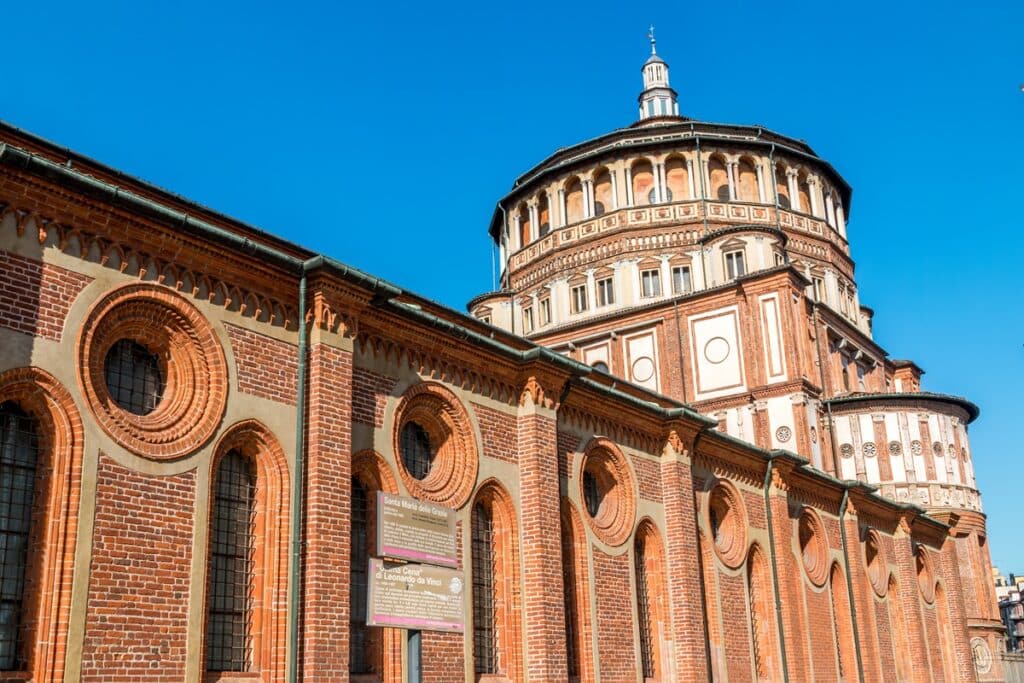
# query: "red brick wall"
137,623
498,430
648,475
370,392
568,445
543,606
328,513
35,297
735,626
266,367
616,649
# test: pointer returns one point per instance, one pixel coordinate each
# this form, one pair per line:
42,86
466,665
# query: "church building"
673,448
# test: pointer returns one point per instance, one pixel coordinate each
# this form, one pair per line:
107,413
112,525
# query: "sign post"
415,583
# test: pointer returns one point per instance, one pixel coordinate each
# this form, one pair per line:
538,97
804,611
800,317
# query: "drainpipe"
849,585
679,341
297,490
775,568
703,212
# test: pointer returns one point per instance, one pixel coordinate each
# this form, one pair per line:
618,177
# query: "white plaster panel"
717,353
771,331
598,353
640,351
780,414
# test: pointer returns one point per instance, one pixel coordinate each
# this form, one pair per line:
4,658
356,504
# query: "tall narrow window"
643,608
484,635
734,264
571,609
19,452
528,319
681,282
232,532
605,292
359,632
545,311
650,283
579,298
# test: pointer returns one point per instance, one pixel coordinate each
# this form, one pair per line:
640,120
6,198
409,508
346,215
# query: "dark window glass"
723,193
133,375
643,607
359,632
229,618
485,659
598,208
417,455
19,452
601,365
592,493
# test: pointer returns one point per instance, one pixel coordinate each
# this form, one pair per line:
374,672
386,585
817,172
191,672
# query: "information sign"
416,596
410,529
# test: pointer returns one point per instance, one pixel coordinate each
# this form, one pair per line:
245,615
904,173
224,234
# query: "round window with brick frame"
813,546
607,492
874,562
925,573
434,445
727,521
152,371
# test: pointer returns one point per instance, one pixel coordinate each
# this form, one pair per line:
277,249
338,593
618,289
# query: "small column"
629,186
659,195
760,184
666,276
794,195
730,168
588,198
561,208
615,188
812,183
690,177
534,225
841,220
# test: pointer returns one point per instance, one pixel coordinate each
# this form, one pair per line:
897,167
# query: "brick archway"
270,568
54,532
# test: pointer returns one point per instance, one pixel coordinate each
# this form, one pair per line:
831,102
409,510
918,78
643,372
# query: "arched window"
678,178
842,625
603,193
762,627
359,660
573,201
19,452
718,178
652,614
643,609
804,191
747,191
643,183
525,227
782,186
485,659
544,214
232,535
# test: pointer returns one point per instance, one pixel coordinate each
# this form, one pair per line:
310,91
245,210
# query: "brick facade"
653,578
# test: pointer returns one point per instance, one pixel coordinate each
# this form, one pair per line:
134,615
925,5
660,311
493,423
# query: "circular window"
606,489
435,446
152,371
925,574
135,379
895,448
874,560
728,524
870,449
813,547
716,350
414,447
783,434
915,447
846,450
951,449
937,449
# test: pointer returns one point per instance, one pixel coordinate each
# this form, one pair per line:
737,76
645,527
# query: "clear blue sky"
383,133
